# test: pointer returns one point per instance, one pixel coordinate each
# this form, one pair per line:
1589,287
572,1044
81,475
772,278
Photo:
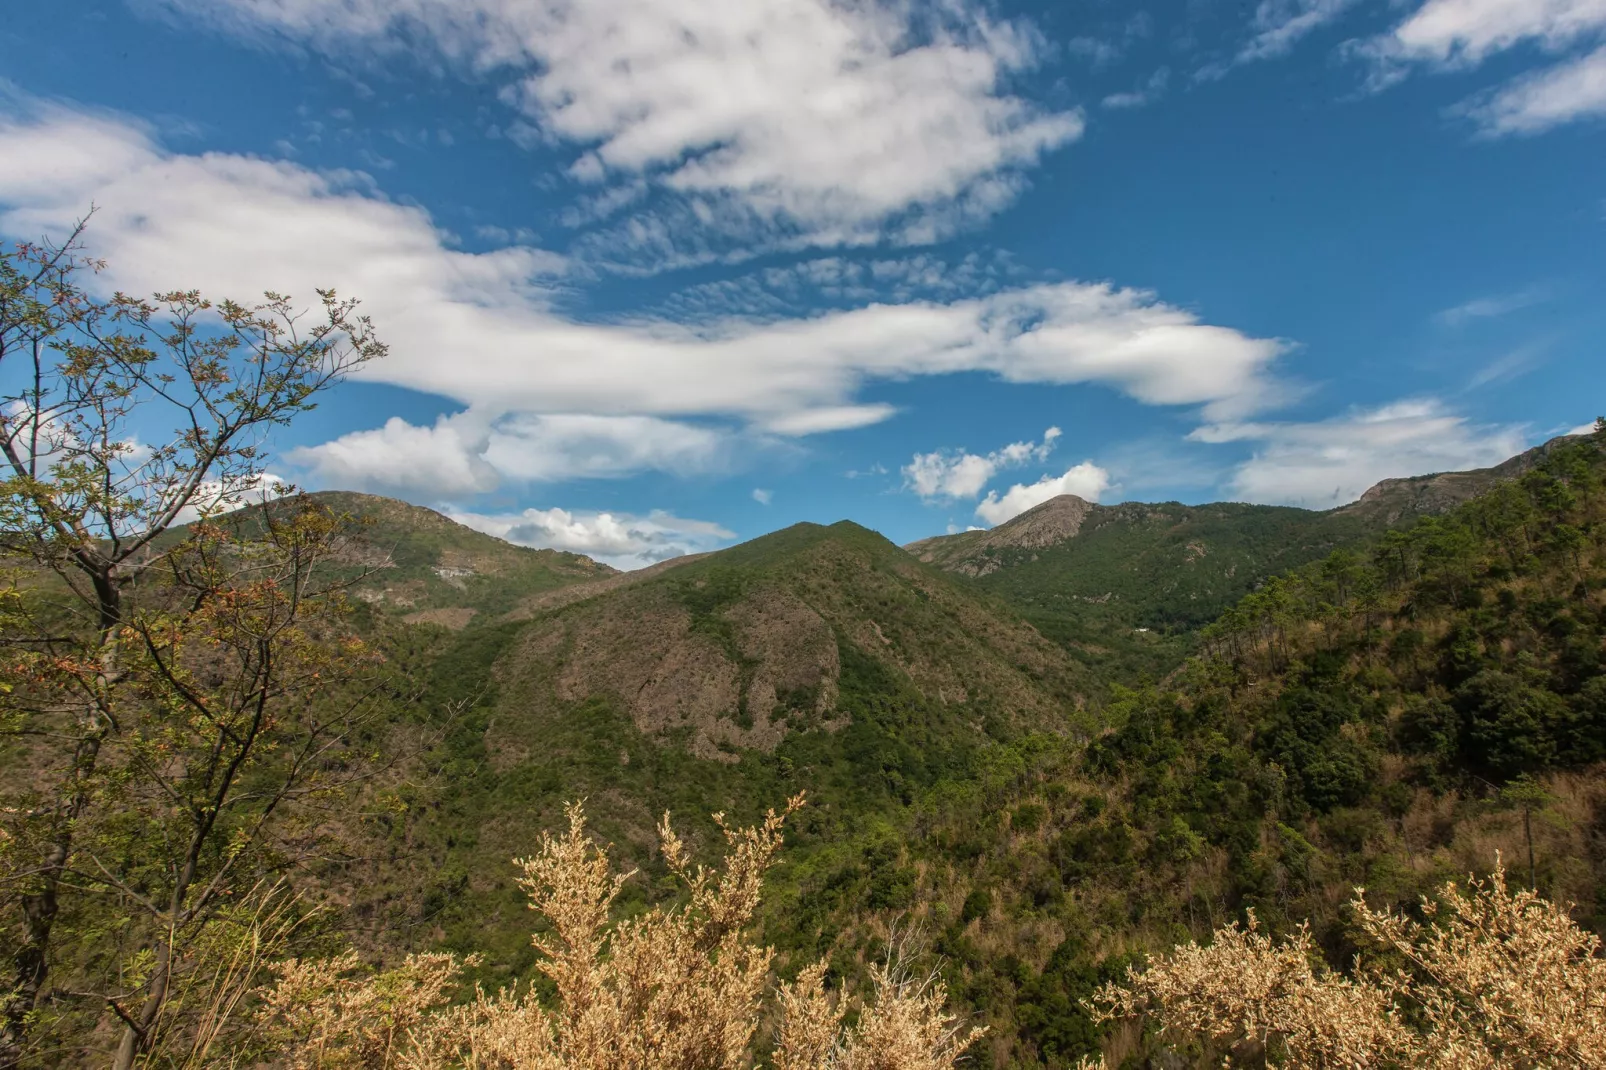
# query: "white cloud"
1086,480
1466,32
1332,462
1509,365
478,328
953,474
1280,24
1583,429
762,496
526,446
402,457
941,474
463,455
828,120
218,496
618,539
827,418
1457,34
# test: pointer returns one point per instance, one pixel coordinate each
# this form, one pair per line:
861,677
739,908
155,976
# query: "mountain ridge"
1063,516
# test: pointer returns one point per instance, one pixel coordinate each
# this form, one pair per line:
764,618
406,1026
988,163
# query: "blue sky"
662,274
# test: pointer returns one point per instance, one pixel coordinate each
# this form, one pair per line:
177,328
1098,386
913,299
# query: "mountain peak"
972,553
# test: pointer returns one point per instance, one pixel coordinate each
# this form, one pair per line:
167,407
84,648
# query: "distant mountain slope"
1119,584
977,553
431,569
1395,500
1118,579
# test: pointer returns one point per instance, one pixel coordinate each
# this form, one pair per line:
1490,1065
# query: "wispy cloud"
1150,92
1278,25
1511,365
480,328
806,121
1533,104
1493,306
1459,34
1328,463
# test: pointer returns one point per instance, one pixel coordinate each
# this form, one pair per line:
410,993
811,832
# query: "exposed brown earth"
641,648
743,671
454,617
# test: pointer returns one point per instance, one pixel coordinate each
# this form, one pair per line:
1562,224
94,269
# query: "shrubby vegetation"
1493,978
669,988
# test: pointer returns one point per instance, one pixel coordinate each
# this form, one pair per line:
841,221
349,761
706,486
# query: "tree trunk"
31,962
134,1039
1528,833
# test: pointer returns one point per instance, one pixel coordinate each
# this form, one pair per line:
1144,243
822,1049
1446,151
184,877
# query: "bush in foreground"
673,989
1491,978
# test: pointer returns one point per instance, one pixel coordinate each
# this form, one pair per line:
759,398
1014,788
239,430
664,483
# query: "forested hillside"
1389,719
816,658
1126,587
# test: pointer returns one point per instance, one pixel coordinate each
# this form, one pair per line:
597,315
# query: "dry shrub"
905,1026
1495,978
672,989
332,1015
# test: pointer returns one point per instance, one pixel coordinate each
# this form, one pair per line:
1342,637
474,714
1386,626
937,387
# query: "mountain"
1359,721
1121,586
429,569
818,657
742,646
986,767
1388,722
1394,500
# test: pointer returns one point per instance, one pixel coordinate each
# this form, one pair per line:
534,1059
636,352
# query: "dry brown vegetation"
1491,977
671,988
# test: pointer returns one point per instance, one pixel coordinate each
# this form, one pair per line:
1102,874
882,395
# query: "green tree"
162,677
1527,795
